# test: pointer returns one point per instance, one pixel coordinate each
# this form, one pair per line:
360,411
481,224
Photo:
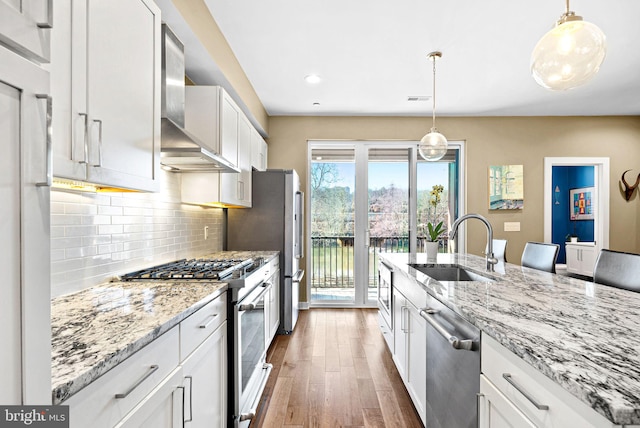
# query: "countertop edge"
62,392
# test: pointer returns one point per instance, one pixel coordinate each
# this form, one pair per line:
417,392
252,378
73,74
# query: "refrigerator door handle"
297,277
299,225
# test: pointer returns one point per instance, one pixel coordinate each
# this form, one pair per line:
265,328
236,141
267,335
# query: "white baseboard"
303,306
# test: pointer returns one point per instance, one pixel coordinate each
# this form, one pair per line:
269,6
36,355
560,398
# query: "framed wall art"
506,187
581,203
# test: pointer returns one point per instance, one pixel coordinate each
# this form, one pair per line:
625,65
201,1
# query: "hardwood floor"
334,371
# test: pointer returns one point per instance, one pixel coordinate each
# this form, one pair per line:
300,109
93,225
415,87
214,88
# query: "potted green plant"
433,233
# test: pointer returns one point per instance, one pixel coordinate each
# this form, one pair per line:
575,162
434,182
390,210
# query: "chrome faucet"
491,260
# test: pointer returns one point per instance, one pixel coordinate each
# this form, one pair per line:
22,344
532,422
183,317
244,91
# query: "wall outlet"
512,226
206,233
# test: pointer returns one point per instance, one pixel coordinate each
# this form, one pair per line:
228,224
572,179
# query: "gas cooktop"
193,269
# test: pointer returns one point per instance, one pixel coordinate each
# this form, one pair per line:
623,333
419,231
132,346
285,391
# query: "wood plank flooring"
334,371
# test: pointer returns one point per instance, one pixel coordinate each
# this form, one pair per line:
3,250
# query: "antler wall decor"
628,190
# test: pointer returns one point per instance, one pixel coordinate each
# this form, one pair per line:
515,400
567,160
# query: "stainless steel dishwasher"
453,368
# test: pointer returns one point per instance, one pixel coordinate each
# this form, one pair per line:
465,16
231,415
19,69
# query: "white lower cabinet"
111,397
514,394
162,408
496,411
272,307
581,257
410,348
205,382
178,380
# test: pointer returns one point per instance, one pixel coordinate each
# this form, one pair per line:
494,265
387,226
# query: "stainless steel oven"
385,300
248,285
250,369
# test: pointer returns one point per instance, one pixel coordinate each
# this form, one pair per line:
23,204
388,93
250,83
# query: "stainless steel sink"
450,273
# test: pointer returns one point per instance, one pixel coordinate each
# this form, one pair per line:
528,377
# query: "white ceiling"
372,55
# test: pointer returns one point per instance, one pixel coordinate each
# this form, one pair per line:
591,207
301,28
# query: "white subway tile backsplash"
80,230
109,210
98,236
109,229
81,209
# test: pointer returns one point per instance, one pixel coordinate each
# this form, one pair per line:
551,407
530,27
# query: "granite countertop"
583,336
95,329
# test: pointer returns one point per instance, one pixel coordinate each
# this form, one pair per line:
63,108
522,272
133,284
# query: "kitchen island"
583,336
96,329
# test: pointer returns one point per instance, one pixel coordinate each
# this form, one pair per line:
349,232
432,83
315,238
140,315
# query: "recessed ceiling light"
316,104
418,97
312,78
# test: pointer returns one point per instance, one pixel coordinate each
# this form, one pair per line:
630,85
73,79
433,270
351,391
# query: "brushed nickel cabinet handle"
152,370
48,24
508,378
49,168
207,324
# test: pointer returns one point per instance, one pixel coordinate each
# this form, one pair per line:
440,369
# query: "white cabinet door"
123,41
258,151
573,258
581,258
107,83
400,333
70,121
25,27
416,364
244,161
205,382
410,348
588,259
496,411
229,121
162,408
24,235
273,308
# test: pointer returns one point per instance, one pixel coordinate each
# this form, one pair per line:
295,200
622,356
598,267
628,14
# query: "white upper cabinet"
220,126
212,116
258,151
106,80
25,27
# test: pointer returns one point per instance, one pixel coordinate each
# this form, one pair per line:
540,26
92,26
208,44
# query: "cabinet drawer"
96,405
197,327
564,409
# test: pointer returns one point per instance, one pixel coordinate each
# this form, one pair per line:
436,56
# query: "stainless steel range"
215,269
248,285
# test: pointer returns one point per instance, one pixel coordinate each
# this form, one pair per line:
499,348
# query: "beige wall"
491,141
197,15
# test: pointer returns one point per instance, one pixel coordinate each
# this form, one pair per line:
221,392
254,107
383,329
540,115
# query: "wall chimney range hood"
180,151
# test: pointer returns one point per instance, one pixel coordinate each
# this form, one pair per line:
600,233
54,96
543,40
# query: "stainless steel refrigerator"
275,221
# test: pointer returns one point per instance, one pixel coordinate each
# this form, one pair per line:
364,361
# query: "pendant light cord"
433,110
567,7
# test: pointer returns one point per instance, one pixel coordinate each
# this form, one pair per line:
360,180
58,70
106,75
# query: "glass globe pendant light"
569,55
433,146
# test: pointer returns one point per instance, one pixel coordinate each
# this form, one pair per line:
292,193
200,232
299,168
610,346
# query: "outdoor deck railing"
332,258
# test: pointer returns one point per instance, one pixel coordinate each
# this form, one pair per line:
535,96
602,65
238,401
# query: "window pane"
332,224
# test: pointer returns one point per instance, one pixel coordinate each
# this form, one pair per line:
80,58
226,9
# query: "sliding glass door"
367,198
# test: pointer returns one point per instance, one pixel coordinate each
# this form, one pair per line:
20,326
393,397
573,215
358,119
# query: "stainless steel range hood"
181,151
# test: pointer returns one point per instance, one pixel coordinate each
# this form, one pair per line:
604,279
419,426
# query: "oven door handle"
251,306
